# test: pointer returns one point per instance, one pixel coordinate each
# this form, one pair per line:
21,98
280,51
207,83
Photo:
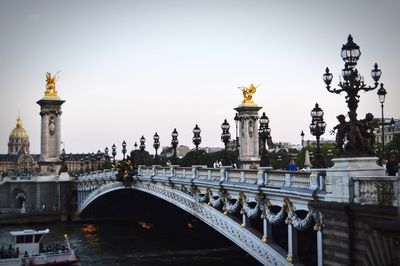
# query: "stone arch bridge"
346,215
219,196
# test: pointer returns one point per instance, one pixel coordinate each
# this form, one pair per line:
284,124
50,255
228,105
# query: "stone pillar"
248,135
339,185
50,112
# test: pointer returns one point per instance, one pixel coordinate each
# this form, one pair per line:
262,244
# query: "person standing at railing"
392,166
292,166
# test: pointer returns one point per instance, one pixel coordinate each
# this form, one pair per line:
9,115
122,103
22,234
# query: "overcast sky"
133,68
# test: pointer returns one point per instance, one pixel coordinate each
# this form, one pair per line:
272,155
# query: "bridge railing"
263,176
377,190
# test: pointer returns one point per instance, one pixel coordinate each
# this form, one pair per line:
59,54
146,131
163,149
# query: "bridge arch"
215,219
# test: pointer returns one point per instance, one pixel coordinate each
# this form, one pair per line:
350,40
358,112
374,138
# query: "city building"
18,160
389,128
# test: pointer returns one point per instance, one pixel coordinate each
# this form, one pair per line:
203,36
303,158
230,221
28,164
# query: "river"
139,242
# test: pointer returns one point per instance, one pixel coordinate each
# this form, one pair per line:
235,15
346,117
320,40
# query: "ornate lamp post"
302,139
382,94
156,145
225,137
63,158
263,133
98,155
135,146
107,157
142,143
174,144
196,141
237,120
114,152
317,128
123,149
353,83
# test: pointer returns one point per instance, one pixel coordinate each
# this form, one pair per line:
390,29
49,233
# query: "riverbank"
31,218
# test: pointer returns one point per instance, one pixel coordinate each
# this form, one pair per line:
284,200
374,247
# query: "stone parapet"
339,185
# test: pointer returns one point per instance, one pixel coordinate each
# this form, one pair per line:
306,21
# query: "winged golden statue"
51,85
248,93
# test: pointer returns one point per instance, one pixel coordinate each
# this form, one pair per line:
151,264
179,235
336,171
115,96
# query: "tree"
393,147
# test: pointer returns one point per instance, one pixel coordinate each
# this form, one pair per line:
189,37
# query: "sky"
133,68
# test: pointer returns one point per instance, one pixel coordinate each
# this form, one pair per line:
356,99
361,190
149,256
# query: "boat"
27,249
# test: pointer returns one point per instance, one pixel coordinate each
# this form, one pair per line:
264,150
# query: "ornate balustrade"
377,190
263,176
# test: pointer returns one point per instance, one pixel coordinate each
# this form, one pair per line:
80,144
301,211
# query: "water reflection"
145,226
168,242
90,234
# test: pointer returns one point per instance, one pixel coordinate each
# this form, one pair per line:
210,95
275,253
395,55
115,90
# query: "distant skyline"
133,68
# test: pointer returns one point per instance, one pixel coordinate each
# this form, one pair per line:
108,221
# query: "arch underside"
242,237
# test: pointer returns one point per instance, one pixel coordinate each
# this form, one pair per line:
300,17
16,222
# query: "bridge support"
266,229
292,242
320,251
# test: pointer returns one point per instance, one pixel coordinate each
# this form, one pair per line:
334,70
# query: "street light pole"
382,94
225,137
317,128
196,141
302,138
352,84
123,149
174,144
263,133
156,145
114,152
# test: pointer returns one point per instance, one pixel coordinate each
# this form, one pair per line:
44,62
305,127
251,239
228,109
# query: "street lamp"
135,146
174,144
302,138
225,137
352,83
263,133
142,143
98,159
237,120
114,152
382,94
107,157
317,128
156,145
63,158
196,140
123,149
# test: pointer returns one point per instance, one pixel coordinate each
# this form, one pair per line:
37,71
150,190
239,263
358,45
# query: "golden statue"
248,93
51,85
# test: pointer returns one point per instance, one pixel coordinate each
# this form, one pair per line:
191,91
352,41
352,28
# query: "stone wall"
357,234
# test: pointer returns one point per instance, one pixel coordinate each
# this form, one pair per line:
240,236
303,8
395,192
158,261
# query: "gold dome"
19,131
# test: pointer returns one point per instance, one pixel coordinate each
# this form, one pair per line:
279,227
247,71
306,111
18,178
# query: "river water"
140,242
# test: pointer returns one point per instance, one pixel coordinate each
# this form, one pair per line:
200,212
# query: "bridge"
232,200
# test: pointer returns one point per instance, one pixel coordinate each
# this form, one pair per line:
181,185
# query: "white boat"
26,249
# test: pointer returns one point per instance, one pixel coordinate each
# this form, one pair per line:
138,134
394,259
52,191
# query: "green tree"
393,147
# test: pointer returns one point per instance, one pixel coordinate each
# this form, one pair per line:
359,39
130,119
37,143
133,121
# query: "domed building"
19,139
18,160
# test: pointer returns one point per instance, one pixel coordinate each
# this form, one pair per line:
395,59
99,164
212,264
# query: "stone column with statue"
50,112
248,129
